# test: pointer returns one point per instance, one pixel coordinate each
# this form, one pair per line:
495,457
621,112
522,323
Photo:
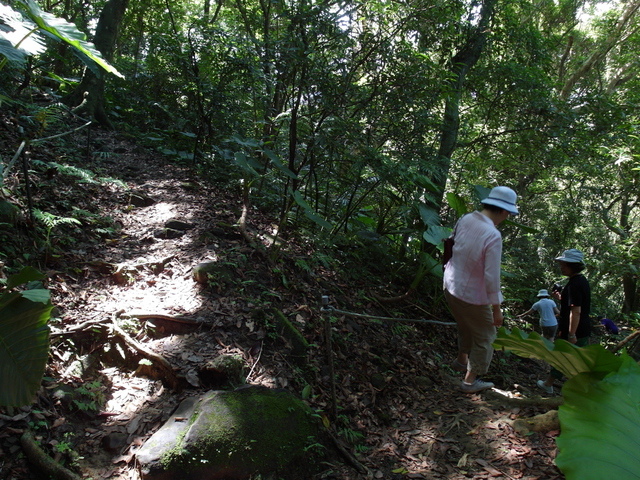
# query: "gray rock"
141,200
180,225
168,233
224,370
219,274
232,435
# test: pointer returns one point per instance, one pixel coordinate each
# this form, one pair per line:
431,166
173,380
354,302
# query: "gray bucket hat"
502,197
571,256
543,293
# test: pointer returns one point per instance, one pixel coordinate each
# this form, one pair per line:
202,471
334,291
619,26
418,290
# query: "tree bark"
630,289
461,64
88,97
623,228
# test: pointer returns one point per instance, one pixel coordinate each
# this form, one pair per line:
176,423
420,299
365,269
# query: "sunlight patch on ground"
162,211
144,287
175,295
129,394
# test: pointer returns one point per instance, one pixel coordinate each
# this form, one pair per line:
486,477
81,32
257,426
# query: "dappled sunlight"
172,289
128,395
162,295
161,212
472,434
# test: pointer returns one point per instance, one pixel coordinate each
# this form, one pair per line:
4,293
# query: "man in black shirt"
574,324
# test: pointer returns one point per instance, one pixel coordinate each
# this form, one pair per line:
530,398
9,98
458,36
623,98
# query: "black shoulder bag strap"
448,245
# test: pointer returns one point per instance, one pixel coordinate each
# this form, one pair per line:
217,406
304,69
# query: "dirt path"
399,409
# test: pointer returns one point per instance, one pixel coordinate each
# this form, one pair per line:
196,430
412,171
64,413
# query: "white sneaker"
476,386
544,387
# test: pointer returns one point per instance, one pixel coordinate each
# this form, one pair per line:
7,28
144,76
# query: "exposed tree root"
543,423
168,374
408,294
550,403
623,342
169,324
160,368
170,318
346,454
42,462
89,324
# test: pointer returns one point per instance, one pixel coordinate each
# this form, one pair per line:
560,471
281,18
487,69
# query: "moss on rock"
233,435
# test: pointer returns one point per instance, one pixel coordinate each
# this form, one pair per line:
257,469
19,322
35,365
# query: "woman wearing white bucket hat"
472,285
504,198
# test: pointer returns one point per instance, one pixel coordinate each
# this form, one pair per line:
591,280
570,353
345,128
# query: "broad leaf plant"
600,415
24,337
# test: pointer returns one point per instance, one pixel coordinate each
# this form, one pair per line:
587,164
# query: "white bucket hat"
543,293
502,197
571,256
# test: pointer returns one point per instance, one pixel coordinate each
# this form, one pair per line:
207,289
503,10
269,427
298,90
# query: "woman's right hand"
498,318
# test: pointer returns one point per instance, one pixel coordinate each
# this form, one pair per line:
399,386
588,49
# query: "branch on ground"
42,462
168,374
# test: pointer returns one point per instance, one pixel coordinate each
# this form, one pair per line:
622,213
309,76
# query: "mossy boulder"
233,435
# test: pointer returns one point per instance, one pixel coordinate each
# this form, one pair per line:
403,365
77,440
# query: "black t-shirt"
576,293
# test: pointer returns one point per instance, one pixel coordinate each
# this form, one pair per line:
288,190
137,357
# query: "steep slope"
123,285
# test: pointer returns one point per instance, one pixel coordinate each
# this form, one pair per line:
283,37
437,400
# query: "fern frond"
51,221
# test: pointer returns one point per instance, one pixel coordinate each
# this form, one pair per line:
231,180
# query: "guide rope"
330,309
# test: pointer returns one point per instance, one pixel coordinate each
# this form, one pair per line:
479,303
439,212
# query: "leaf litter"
398,407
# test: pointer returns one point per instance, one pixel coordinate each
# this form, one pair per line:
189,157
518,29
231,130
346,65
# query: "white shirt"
473,273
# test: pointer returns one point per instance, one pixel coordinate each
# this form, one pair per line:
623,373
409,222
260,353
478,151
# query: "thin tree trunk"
461,64
88,97
630,289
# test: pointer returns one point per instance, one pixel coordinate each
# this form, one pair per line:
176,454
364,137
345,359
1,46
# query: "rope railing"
327,310
330,309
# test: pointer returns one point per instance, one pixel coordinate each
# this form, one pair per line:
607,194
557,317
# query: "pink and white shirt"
473,273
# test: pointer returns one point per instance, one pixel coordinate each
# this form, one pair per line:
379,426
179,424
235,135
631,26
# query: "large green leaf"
16,36
481,192
11,53
249,164
436,234
562,355
24,346
278,163
60,29
309,212
600,416
457,203
428,215
601,425
27,274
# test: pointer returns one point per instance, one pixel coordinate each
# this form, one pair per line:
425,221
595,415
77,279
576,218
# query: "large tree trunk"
88,97
626,203
630,289
461,64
